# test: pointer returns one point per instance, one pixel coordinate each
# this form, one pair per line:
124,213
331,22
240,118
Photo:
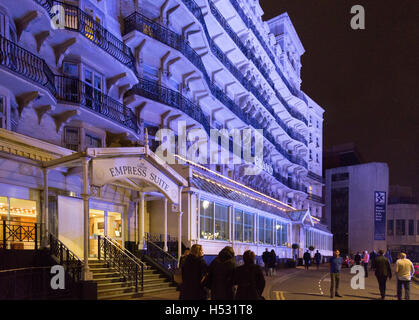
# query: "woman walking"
249,279
194,270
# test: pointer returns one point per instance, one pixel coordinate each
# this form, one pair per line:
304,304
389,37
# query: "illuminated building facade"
85,87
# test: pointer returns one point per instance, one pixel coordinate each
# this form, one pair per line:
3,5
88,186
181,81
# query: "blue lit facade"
118,69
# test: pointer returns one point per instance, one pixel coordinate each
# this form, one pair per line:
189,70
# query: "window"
317,157
390,227
207,220
71,69
72,138
221,223
310,155
248,227
265,230
340,176
93,142
317,142
311,138
400,227
411,227
281,234
238,225
93,87
2,24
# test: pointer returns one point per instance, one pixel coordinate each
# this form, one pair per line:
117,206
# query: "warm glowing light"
205,204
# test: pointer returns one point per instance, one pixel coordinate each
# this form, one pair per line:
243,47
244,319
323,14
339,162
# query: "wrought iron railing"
115,257
65,257
163,258
15,234
314,176
26,64
128,253
79,21
75,91
139,22
315,198
196,11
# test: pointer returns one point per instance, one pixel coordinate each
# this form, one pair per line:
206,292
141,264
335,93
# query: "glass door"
96,228
114,226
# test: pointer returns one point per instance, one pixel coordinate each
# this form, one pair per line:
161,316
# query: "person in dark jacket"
382,272
357,259
307,259
249,279
373,255
265,259
181,262
317,259
220,275
194,270
272,262
389,257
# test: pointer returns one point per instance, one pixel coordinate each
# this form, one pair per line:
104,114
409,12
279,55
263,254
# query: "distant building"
355,203
403,222
341,155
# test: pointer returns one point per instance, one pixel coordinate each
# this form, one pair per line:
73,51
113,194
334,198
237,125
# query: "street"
299,284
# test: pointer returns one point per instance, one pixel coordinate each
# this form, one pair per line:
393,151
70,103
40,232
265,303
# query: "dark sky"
366,80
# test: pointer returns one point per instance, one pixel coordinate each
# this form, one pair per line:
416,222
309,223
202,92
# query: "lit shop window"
214,221
265,230
238,225
18,210
281,234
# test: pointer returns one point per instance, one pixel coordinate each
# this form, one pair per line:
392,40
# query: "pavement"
314,284
300,284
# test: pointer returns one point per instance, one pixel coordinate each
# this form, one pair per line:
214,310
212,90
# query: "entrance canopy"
134,168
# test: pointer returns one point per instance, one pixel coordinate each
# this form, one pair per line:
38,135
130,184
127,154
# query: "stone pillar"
165,225
141,223
45,218
179,247
87,275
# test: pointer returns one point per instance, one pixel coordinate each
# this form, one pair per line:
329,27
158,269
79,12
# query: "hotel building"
85,87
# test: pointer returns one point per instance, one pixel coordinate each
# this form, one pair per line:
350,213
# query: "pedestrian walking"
373,255
249,279
335,267
382,272
307,259
404,271
265,259
357,259
178,272
365,261
194,270
272,262
389,257
221,275
317,258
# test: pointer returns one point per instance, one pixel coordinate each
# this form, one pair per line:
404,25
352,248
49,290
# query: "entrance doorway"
103,223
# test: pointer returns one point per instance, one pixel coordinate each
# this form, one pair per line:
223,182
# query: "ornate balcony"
142,24
72,90
79,21
315,198
316,177
26,64
196,11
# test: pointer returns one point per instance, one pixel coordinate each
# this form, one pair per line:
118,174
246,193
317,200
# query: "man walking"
335,266
365,260
382,272
307,259
357,259
404,270
265,259
317,259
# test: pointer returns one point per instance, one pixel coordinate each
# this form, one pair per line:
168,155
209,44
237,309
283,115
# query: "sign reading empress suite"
110,170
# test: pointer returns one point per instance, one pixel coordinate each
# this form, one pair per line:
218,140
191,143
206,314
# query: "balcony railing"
79,21
26,64
314,176
196,11
139,22
75,91
315,198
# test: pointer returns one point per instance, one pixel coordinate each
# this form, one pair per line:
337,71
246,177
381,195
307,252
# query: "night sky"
366,80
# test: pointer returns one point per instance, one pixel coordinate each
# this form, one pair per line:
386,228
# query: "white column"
179,242
87,275
198,224
141,223
165,225
232,226
45,218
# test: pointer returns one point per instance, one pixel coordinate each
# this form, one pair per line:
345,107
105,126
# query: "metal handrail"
127,252
66,257
18,231
163,258
130,269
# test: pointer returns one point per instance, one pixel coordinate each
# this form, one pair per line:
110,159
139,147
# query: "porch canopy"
133,168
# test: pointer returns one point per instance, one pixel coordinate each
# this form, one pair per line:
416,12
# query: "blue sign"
379,215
